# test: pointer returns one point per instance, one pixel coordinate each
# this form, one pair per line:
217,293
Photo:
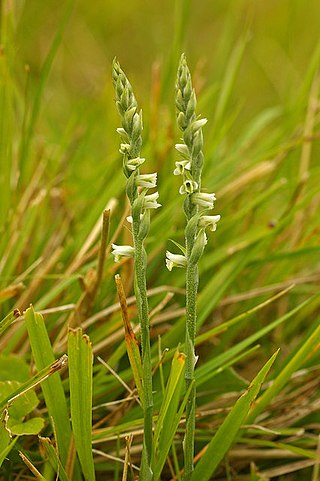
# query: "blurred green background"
280,39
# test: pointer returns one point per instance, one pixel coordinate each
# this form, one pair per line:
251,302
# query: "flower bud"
183,149
198,247
181,121
123,134
198,124
144,225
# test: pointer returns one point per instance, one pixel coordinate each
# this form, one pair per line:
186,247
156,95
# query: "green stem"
143,312
192,280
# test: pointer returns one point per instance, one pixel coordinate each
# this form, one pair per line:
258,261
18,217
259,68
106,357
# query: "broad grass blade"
80,376
227,432
169,415
52,388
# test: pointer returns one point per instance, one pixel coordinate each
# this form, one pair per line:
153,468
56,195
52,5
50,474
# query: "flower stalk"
141,202
190,168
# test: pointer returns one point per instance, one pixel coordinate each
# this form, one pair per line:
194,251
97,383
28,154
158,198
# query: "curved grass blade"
131,340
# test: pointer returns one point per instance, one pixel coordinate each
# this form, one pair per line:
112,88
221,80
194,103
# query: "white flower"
181,166
149,181
124,149
132,164
175,260
122,251
183,149
203,199
150,201
188,186
209,221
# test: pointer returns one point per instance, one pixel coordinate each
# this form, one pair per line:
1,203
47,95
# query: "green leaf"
169,415
23,404
227,432
80,374
183,249
52,388
13,368
31,426
171,396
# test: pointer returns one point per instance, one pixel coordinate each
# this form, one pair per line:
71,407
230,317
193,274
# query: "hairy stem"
143,312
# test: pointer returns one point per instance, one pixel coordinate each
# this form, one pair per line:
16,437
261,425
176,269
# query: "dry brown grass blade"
11,291
32,468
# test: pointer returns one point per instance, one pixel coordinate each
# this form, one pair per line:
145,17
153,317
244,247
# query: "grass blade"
306,350
80,374
8,320
227,432
169,416
131,340
52,388
53,458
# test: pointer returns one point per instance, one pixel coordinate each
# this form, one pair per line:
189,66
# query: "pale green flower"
188,187
150,201
148,181
133,164
175,260
209,221
204,200
121,251
181,166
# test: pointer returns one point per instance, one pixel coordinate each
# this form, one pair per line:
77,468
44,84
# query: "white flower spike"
175,260
209,221
122,251
204,200
148,181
